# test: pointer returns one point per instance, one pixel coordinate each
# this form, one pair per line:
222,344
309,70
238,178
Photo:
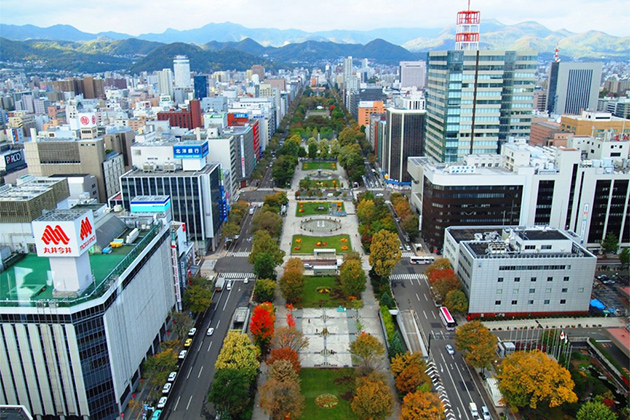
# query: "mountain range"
494,35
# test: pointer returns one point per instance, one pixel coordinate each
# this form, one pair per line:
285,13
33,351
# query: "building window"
499,291
563,301
515,302
564,290
566,278
497,302
530,246
517,279
581,290
533,279
530,302
515,291
500,279
545,247
548,290
546,301
549,278
532,290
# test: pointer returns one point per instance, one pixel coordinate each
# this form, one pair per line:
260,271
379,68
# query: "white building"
413,74
181,67
517,271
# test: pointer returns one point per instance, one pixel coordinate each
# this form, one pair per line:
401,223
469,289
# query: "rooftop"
28,279
178,172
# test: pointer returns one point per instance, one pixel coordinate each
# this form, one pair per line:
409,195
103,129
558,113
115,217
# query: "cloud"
610,16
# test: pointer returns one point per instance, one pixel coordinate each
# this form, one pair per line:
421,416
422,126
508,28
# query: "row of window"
518,279
531,302
547,290
533,267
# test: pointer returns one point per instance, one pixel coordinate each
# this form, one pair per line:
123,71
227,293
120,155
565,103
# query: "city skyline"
608,16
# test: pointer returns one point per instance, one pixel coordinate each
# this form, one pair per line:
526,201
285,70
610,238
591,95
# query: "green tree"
384,253
624,257
265,290
366,211
264,243
276,200
157,368
239,353
269,221
231,229
410,225
395,345
265,266
352,278
284,168
324,148
312,150
367,352
292,281
198,295
456,301
476,343
533,378
181,323
610,244
230,392
347,136
595,410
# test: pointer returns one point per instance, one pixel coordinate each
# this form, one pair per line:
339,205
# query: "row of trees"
374,216
268,218
446,286
266,255
408,220
232,226
414,387
232,390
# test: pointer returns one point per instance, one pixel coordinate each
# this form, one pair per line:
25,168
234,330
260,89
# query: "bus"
447,319
422,260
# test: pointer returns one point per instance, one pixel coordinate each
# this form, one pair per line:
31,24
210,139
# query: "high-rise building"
404,137
366,109
200,84
260,71
165,82
347,71
476,100
573,87
181,68
412,74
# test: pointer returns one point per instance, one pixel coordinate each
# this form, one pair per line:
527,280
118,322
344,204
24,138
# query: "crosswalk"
407,254
407,276
238,254
438,386
237,275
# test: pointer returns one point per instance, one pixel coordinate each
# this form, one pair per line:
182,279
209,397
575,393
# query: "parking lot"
610,295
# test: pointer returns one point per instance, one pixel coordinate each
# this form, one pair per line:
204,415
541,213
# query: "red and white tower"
467,36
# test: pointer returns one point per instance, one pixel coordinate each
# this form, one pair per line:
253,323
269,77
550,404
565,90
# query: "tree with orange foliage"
438,264
411,378
285,353
421,405
261,325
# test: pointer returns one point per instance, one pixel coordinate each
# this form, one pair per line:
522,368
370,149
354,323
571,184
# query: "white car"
192,332
162,402
167,388
210,331
229,286
172,376
182,354
485,413
450,349
246,280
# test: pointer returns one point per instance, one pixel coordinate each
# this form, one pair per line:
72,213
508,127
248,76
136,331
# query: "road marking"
425,295
200,370
227,300
188,376
188,405
464,382
434,317
218,324
418,297
459,413
200,346
425,315
456,393
177,403
209,346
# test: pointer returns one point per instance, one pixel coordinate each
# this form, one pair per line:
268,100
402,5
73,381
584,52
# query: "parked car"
162,402
172,376
167,388
608,281
192,332
450,349
210,331
485,413
602,277
188,342
182,354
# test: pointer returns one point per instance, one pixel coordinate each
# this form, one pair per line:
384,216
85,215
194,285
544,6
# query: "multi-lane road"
455,376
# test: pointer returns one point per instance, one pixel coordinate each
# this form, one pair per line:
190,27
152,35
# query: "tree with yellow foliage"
421,405
384,253
476,343
238,353
533,378
373,399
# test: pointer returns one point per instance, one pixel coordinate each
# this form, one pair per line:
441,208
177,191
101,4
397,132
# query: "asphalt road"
454,373
187,398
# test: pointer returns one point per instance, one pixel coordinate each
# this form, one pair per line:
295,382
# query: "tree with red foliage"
261,325
285,353
290,320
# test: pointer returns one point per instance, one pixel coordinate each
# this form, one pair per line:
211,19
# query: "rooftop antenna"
467,35
556,57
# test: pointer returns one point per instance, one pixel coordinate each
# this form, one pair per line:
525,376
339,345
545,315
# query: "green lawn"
310,208
339,382
321,183
311,298
308,243
311,166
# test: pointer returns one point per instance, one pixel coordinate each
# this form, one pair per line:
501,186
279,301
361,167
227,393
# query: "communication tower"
467,36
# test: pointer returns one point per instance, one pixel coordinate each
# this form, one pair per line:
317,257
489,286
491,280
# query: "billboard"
13,160
64,238
147,206
190,151
87,119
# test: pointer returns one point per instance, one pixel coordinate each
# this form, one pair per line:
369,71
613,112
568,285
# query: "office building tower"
165,82
521,271
573,87
412,74
476,100
347,71
76,326
259,70
366,109
404,137
200,84
181,68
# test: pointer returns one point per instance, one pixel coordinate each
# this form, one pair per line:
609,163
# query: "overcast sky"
136,17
